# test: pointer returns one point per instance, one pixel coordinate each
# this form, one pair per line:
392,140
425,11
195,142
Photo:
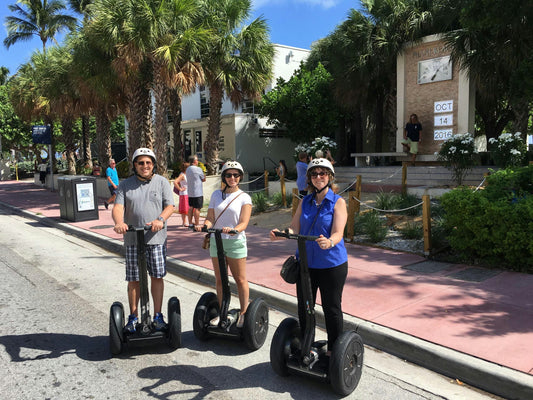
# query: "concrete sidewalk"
471,324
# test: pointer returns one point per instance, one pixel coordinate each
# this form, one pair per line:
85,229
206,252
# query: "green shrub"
408,201
439,234
458,155
259,201
510,183
488,230
508,150
387,201
412,231
370,224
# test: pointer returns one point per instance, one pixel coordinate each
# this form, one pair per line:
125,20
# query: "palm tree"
4,73
26,96
361,55
155,43
495,45
238,63
42,18
82,7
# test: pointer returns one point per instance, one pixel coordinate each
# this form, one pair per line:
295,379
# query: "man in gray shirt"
195,178
144,199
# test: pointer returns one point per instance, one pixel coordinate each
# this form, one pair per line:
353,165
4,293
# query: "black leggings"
330,281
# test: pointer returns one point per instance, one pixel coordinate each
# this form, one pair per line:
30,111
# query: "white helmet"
322,163
232,165
143,151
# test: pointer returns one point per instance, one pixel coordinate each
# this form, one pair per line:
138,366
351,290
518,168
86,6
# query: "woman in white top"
230,208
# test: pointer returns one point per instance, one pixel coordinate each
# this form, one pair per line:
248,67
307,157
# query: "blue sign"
41,134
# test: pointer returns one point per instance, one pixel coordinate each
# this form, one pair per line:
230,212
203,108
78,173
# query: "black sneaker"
159,323
106,205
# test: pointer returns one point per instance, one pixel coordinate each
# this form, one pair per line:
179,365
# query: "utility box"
77,198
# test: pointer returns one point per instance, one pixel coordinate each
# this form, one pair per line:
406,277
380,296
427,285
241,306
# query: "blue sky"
295,23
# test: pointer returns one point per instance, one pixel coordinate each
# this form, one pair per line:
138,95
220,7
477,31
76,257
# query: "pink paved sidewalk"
491,319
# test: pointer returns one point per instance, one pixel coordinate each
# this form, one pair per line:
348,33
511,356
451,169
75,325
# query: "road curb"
493,378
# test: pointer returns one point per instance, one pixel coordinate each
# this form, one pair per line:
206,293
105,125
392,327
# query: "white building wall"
286,60
253,151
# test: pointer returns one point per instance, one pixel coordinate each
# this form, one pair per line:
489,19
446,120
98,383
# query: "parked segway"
255,327
144,333
290,352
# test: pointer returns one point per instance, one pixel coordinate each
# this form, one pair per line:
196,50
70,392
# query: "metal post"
51,166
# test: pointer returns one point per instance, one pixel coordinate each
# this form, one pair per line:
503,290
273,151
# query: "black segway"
145,332
290,352
255,327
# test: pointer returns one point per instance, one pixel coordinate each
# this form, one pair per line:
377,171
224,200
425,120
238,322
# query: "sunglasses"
232,175
315,174
143,163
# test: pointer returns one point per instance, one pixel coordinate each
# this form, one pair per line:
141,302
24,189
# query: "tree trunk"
68,140
103,136
140,124
379,124
86,134
213,127
161,135
178,155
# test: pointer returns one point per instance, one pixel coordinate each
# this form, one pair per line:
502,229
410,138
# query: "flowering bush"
508,150
320,143
458,154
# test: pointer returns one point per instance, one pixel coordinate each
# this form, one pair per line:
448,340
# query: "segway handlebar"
132,228
288,235
214,230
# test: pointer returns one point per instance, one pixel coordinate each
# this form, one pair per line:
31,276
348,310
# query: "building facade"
244,136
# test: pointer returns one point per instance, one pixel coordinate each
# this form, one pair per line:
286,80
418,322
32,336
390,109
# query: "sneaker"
106,205
215,321
132,323
159,323
240,322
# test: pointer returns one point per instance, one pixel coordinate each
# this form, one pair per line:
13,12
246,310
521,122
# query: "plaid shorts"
156,261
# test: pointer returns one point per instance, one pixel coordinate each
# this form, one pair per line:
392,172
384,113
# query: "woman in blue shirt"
323,213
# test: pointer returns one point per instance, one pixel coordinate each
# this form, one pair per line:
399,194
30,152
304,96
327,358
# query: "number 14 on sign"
443,120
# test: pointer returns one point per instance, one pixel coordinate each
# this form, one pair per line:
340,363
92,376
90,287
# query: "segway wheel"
206,309
174,323
255,327
346,363
116,328
286,341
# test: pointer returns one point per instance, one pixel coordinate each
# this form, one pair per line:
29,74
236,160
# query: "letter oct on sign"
445,106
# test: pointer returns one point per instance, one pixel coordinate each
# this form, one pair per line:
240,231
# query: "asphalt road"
55,294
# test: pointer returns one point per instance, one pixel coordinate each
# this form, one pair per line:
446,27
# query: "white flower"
515,152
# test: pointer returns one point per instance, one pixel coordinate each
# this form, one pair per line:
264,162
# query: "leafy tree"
237,63
14,133
41,18
495,46
304,105
4,73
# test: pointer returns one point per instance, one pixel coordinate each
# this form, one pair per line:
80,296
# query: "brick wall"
420,98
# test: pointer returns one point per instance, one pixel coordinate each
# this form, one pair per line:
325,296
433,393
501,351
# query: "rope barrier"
246,183
481,184
386,211
384,179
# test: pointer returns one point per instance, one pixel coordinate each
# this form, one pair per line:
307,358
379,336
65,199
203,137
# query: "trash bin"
77,198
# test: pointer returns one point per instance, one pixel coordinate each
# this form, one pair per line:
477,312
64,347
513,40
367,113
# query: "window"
221,143
204,101
248,106
272,133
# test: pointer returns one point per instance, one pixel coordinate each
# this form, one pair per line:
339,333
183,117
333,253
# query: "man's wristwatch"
160,218
332,244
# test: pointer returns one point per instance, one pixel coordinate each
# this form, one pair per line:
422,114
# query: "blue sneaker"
159,323
132,323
